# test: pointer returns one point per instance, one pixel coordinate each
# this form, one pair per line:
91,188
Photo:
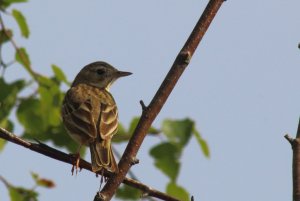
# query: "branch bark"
67,158
295,143
150,112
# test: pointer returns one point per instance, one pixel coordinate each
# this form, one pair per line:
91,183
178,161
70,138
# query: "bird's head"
99,74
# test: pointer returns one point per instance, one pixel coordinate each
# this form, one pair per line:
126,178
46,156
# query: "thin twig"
5,182
289,139
160,98
21,55
144,107
67,158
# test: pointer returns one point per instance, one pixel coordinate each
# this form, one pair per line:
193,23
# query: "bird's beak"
123,74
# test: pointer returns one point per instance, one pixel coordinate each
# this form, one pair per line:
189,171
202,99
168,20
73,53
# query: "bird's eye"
100,71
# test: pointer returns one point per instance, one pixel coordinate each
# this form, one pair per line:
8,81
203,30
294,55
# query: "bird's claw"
75,166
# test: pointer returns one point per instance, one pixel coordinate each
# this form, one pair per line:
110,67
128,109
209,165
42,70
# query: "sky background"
241,88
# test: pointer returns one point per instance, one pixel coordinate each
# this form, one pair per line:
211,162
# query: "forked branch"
67,158
150,112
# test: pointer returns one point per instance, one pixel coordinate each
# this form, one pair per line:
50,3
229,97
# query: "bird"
90,115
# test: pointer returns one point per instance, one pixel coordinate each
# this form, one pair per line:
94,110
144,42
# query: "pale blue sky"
241,87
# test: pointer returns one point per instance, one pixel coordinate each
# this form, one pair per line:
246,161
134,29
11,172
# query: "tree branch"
149,113
296,162
67,158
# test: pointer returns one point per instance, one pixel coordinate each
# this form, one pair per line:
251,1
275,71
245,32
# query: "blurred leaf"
128,193
124,135
40,116
8,125
8,96
202,143
59,74
45,81
3,35
50,106
47,183
178,131
121,135
15,195
121,130
15,1
153,131
20,19
23,58
134,123
22,194
60,137
2,144
34,176
30,115
6,3
177,191
166,157
42,181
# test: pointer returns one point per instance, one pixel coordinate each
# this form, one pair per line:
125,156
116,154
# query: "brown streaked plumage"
90,114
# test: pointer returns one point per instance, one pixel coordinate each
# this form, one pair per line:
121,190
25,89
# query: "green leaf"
203,145
41,120
14,1
31,116
59,136
59,74
128,193
8,96
166,157
178,131
20,19
177,191
122,135
134,123
34,176
22,194
5,35
5,3
45,81
50,108
23,58
2,144
153,131
8,125
15,195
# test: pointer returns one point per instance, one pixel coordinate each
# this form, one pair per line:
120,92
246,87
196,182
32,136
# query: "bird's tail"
102,156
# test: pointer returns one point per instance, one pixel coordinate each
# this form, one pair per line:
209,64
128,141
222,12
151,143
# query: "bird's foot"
75,166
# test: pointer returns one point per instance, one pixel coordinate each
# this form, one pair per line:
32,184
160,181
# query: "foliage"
21,22
18,193
128,193
39,115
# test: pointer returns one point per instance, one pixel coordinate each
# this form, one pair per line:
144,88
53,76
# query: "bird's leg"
101,180
76,163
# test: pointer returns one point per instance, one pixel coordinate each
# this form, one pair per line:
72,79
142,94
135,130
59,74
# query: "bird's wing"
107,126
108,123
77,115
